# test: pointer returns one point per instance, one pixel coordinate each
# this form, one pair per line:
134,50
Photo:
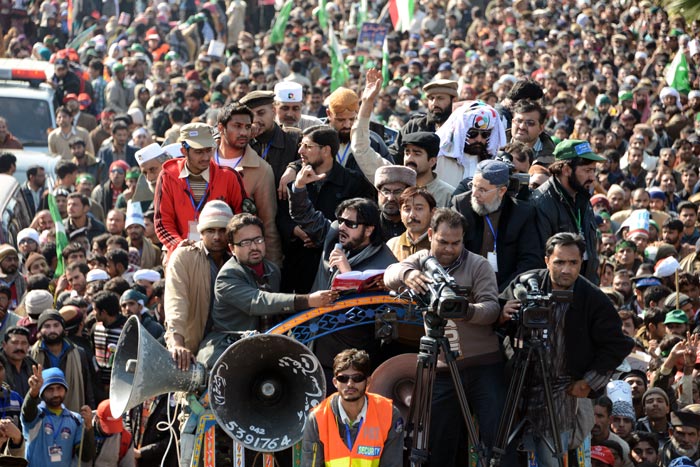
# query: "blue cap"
52,376
495,172
445,66
681,461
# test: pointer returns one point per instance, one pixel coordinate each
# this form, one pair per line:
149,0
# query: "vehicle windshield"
27,119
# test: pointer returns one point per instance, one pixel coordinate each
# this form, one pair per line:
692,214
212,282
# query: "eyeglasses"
117,171
473,133
308,146
356,378
348,223
386,192
528,123
479,190
246,243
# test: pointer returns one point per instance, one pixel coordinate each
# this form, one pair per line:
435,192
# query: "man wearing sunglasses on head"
353,427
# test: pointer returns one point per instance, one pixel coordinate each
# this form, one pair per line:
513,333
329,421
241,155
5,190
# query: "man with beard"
53,350
685,434
499,227
234,151
19,365
86,162
440,95
318,151
288,101
246,292
275,146
10,275
562,202
55,434
528,128
602,411
341,416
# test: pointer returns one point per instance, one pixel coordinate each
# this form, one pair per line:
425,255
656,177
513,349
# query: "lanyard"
578,221
198,207
216,156
341,160
267,149
493,232
348,440
56,431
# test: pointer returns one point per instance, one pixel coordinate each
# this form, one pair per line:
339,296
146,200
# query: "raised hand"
86,413
373,85
36,381
307,175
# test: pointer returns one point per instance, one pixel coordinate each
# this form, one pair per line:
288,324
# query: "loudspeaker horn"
143,368
395,379
262,388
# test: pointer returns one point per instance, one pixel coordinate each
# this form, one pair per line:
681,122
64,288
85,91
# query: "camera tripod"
533,346
418,429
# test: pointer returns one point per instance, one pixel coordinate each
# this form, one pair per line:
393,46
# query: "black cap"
257,98
49,315
424,139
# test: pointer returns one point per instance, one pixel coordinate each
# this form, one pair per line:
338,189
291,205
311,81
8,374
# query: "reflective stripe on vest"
369,443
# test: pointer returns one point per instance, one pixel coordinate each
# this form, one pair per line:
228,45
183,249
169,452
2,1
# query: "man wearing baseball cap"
562,203
54,434
113,438
186,184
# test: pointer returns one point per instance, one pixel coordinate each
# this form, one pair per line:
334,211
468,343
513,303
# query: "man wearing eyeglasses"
499,227
528,128
353,426
246,292
562,203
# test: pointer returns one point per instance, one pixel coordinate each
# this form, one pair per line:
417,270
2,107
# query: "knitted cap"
624,409
657,391
216,214
49,315
52,376
38,301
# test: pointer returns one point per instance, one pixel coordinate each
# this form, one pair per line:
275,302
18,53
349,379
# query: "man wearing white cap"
135,228
27,242
288,101
146,278
150,160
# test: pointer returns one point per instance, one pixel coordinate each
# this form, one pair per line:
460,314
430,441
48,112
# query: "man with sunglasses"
562,203
353,426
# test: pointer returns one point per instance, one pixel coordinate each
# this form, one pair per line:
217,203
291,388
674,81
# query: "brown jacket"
473,336
259,184
187,295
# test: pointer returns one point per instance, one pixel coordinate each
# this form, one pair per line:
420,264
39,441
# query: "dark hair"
65,168
101,240
84,200
118,240
637,437
11,331
107,301
564,239
527,106
655,293
452,218
33,170
158,288
38,282
518,147
97,66
72,248
240,221
62,110
7,160
687,205
606,403
413,191
84,268
116,126
118,285
367,214
5,289
230,110
324,135
176,114
525,89
48,251
118,256
352,358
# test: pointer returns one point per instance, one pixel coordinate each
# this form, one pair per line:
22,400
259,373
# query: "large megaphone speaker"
262,388
395,379
143,368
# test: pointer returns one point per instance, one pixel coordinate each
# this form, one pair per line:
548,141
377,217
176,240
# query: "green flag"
677,75
277,34
339,73
322,16
386,73
61,237
361,16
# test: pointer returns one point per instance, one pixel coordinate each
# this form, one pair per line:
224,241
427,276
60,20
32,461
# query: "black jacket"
557,212
515,247
593,330
279,148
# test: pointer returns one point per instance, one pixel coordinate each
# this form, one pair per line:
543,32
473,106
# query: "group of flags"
400,11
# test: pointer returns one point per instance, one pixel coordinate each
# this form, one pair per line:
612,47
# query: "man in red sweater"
186,184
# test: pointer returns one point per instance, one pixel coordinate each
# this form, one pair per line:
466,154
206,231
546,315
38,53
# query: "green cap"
217,97
676,317
118,67
675,33
573,148
624,96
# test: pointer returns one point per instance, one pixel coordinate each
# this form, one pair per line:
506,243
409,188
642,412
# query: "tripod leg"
463,403
549,399
420,411
515,389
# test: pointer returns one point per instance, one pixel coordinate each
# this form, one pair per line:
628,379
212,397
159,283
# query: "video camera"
536,307
445,297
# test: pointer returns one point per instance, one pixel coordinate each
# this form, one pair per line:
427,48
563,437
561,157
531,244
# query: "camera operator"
472,337
584,345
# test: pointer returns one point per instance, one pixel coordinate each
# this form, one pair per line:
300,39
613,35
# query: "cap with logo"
573,148
288,92
197,136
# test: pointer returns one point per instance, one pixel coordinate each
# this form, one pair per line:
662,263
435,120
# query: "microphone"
520,293
338,246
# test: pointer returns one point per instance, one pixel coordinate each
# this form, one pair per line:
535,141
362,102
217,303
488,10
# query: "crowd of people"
220,165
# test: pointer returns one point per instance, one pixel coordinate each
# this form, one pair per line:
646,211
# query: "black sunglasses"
356,378
350,224
473,133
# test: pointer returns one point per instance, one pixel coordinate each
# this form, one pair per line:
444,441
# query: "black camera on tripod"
445,297
536,307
